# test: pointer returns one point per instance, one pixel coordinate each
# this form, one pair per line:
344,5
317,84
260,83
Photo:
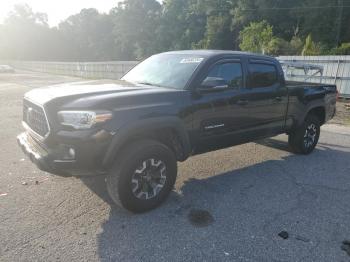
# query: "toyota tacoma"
169,107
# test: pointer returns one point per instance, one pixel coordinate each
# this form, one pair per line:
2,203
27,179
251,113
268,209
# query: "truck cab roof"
218,53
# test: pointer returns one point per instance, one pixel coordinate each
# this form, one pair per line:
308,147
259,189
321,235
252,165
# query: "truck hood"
45,94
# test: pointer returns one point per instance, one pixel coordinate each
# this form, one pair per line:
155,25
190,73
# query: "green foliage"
344,49
295,46
182,24
278,46
256,37
311,48
259,38
217,35
135,29
218,30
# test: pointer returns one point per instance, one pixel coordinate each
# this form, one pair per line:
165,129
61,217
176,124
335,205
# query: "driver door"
215,120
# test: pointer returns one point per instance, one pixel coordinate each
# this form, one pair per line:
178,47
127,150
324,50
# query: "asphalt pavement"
254,202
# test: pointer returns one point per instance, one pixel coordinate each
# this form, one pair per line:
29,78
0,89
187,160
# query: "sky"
57,10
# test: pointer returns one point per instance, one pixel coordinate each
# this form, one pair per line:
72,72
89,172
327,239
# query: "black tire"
302,142
119,180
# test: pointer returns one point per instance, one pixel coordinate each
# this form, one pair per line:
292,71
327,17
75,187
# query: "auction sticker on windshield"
191,60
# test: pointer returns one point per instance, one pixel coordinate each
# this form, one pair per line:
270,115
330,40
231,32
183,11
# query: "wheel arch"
316,107
167,130
319,112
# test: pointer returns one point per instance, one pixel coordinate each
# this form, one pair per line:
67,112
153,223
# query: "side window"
230,72
262,75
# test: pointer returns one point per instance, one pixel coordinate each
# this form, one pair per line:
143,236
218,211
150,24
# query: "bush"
256,37
311,48
344,49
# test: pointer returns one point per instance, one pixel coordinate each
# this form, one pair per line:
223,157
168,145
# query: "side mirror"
212,84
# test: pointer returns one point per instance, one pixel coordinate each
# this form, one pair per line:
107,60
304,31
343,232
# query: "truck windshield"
165,70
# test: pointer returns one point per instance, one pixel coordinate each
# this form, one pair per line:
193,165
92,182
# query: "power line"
288,8
296,8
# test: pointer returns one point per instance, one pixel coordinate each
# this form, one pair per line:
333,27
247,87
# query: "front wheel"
304,138
143,177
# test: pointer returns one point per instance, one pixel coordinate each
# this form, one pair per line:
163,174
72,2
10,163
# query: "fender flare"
315,104
142,126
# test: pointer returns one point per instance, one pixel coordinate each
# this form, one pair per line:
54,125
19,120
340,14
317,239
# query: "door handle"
242,102
278,98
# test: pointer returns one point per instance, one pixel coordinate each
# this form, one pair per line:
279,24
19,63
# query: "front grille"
34,117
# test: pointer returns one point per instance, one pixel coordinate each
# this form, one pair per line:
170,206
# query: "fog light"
68,153
71,152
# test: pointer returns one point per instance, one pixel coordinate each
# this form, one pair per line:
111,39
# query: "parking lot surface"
248,195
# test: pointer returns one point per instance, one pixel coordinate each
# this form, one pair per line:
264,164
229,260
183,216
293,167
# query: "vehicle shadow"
275,143
250,206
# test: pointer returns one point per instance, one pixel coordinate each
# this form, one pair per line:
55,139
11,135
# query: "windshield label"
192,60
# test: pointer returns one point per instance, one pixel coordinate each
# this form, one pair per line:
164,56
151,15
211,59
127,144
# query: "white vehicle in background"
6,69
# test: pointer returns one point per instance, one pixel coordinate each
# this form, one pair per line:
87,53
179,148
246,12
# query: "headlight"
83,119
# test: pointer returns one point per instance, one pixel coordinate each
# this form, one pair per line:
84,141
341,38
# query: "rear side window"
262,75
231,72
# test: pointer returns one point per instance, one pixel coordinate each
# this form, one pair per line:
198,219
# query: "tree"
218,31
256,37
24,35
182,24
87,36
278,46
23,14
321,23
217,35
277,13
260,38
135,27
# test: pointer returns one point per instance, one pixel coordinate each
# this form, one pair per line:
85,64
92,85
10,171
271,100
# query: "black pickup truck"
169,107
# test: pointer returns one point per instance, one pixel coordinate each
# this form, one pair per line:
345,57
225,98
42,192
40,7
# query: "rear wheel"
304,139
143,177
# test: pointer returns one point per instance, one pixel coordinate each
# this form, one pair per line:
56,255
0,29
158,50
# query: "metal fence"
336,71
94,70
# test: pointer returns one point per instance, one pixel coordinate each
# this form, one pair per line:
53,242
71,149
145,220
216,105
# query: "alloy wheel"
310,135
149,179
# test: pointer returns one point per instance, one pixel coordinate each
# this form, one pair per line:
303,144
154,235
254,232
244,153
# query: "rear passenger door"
264,99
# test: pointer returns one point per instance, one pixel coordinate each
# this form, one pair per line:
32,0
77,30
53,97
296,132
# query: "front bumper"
51,159
41,156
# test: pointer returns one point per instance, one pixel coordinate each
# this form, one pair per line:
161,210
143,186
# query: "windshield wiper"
148,84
